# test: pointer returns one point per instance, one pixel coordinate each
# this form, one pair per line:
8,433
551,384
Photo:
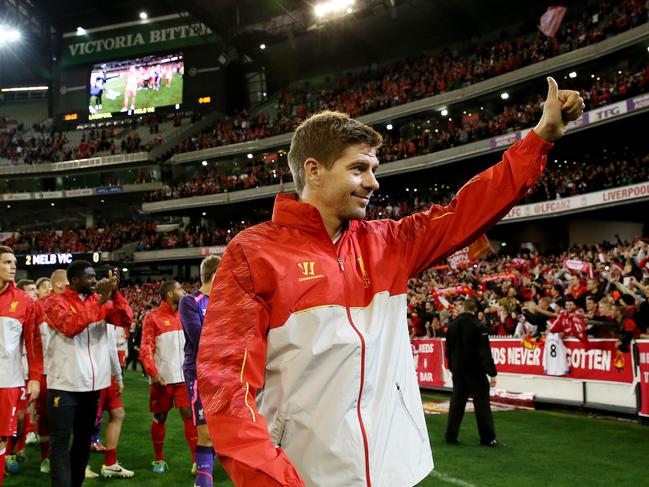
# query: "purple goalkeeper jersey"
192,311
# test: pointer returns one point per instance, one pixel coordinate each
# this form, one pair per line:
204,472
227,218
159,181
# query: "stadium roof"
377,30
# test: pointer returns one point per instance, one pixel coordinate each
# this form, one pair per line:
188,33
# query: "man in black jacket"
470,361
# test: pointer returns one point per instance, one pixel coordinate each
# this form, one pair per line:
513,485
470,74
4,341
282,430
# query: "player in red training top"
18,326
162,354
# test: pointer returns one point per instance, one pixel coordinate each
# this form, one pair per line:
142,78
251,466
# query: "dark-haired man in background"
79,364
470,361
162,354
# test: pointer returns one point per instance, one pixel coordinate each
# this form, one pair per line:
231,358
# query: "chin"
356,214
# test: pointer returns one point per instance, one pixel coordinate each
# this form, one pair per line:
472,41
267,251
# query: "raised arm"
426,237
65,318
118,311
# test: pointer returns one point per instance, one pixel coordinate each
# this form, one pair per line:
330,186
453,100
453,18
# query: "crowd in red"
609,166
603,287
414,138
40,143
92,239
407,80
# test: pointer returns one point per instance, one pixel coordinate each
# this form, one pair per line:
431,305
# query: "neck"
206,288
173,306
4,285
333,224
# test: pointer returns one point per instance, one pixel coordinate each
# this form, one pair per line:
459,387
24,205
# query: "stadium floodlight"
204,213
81,31
572,74
204,163
250,156
504,96
124,269
389,126
444,112
8,35
262,46
333,7
144,15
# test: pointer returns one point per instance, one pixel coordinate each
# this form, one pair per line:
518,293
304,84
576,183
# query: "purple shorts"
195,400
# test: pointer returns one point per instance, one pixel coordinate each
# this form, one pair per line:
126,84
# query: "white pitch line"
451,480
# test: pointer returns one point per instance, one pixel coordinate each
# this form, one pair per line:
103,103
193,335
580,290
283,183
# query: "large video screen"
136,86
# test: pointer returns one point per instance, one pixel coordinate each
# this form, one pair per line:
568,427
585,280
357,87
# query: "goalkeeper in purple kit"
192,311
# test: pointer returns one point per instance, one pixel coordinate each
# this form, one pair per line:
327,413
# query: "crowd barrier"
600,377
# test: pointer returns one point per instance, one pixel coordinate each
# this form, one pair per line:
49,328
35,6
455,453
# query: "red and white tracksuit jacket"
305,367
78,352
18,332
43,328
163,343
572,325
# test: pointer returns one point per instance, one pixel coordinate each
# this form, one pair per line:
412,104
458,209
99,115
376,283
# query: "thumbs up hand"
561,107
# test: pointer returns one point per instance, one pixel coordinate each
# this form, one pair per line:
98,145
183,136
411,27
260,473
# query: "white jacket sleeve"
115,368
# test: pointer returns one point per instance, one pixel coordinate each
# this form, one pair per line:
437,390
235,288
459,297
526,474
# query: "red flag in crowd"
478,248
551,20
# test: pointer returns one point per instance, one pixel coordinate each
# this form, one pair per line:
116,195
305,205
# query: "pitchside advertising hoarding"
599,361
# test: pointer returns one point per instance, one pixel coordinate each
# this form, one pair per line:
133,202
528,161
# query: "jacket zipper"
360,392
405,408
92,367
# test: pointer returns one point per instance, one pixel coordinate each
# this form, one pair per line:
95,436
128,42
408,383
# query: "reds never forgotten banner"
600,361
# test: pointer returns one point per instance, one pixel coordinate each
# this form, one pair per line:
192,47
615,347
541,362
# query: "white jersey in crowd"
555,355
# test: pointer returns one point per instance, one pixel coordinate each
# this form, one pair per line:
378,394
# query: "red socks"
3,462
158,432
45,450
110,457
191,436
20,442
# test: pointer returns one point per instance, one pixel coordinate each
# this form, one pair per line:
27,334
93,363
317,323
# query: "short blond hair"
324,137
208,268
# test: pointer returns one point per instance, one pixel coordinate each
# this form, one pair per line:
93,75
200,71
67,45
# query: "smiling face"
86,282
344,190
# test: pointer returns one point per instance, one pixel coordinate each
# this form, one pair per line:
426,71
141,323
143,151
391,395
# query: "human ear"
312,171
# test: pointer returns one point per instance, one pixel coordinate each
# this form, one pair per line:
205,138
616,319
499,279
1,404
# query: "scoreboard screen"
59,259
136,86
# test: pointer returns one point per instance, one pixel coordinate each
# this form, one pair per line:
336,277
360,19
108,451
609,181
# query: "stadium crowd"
518,295
609,166
40,143
414,138
407,80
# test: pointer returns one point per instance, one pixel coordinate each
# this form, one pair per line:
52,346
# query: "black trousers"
477,386
71,414
133,358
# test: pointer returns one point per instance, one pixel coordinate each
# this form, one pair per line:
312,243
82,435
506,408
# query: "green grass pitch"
543,448
144,98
